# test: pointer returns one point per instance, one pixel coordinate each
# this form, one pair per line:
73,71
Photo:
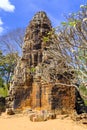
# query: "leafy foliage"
68,50
1,82
4,91
7,65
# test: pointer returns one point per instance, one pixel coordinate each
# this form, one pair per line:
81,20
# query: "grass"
3,91
84,91
85,101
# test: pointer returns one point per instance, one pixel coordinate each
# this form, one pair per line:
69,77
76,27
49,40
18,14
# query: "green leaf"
45,39
32,69
64,23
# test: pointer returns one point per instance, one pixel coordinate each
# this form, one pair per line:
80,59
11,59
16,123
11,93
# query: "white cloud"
1,30
1,27
6,5
1,23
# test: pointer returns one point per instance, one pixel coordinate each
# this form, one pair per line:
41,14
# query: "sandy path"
23,123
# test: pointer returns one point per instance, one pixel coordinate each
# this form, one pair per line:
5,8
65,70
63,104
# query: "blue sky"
18,13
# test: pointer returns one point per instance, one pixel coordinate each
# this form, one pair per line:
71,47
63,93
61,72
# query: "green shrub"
84,91
4,91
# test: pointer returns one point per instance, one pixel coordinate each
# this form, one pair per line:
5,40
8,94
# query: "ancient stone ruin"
27,86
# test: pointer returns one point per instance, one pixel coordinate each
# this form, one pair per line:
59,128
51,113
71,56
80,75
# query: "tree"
11,46
12,41
1,82
7,65
67,51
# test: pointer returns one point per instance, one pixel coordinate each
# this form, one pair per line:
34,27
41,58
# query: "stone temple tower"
28,89
21,85
33,41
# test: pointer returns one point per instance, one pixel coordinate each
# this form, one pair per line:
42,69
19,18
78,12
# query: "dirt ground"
22,122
